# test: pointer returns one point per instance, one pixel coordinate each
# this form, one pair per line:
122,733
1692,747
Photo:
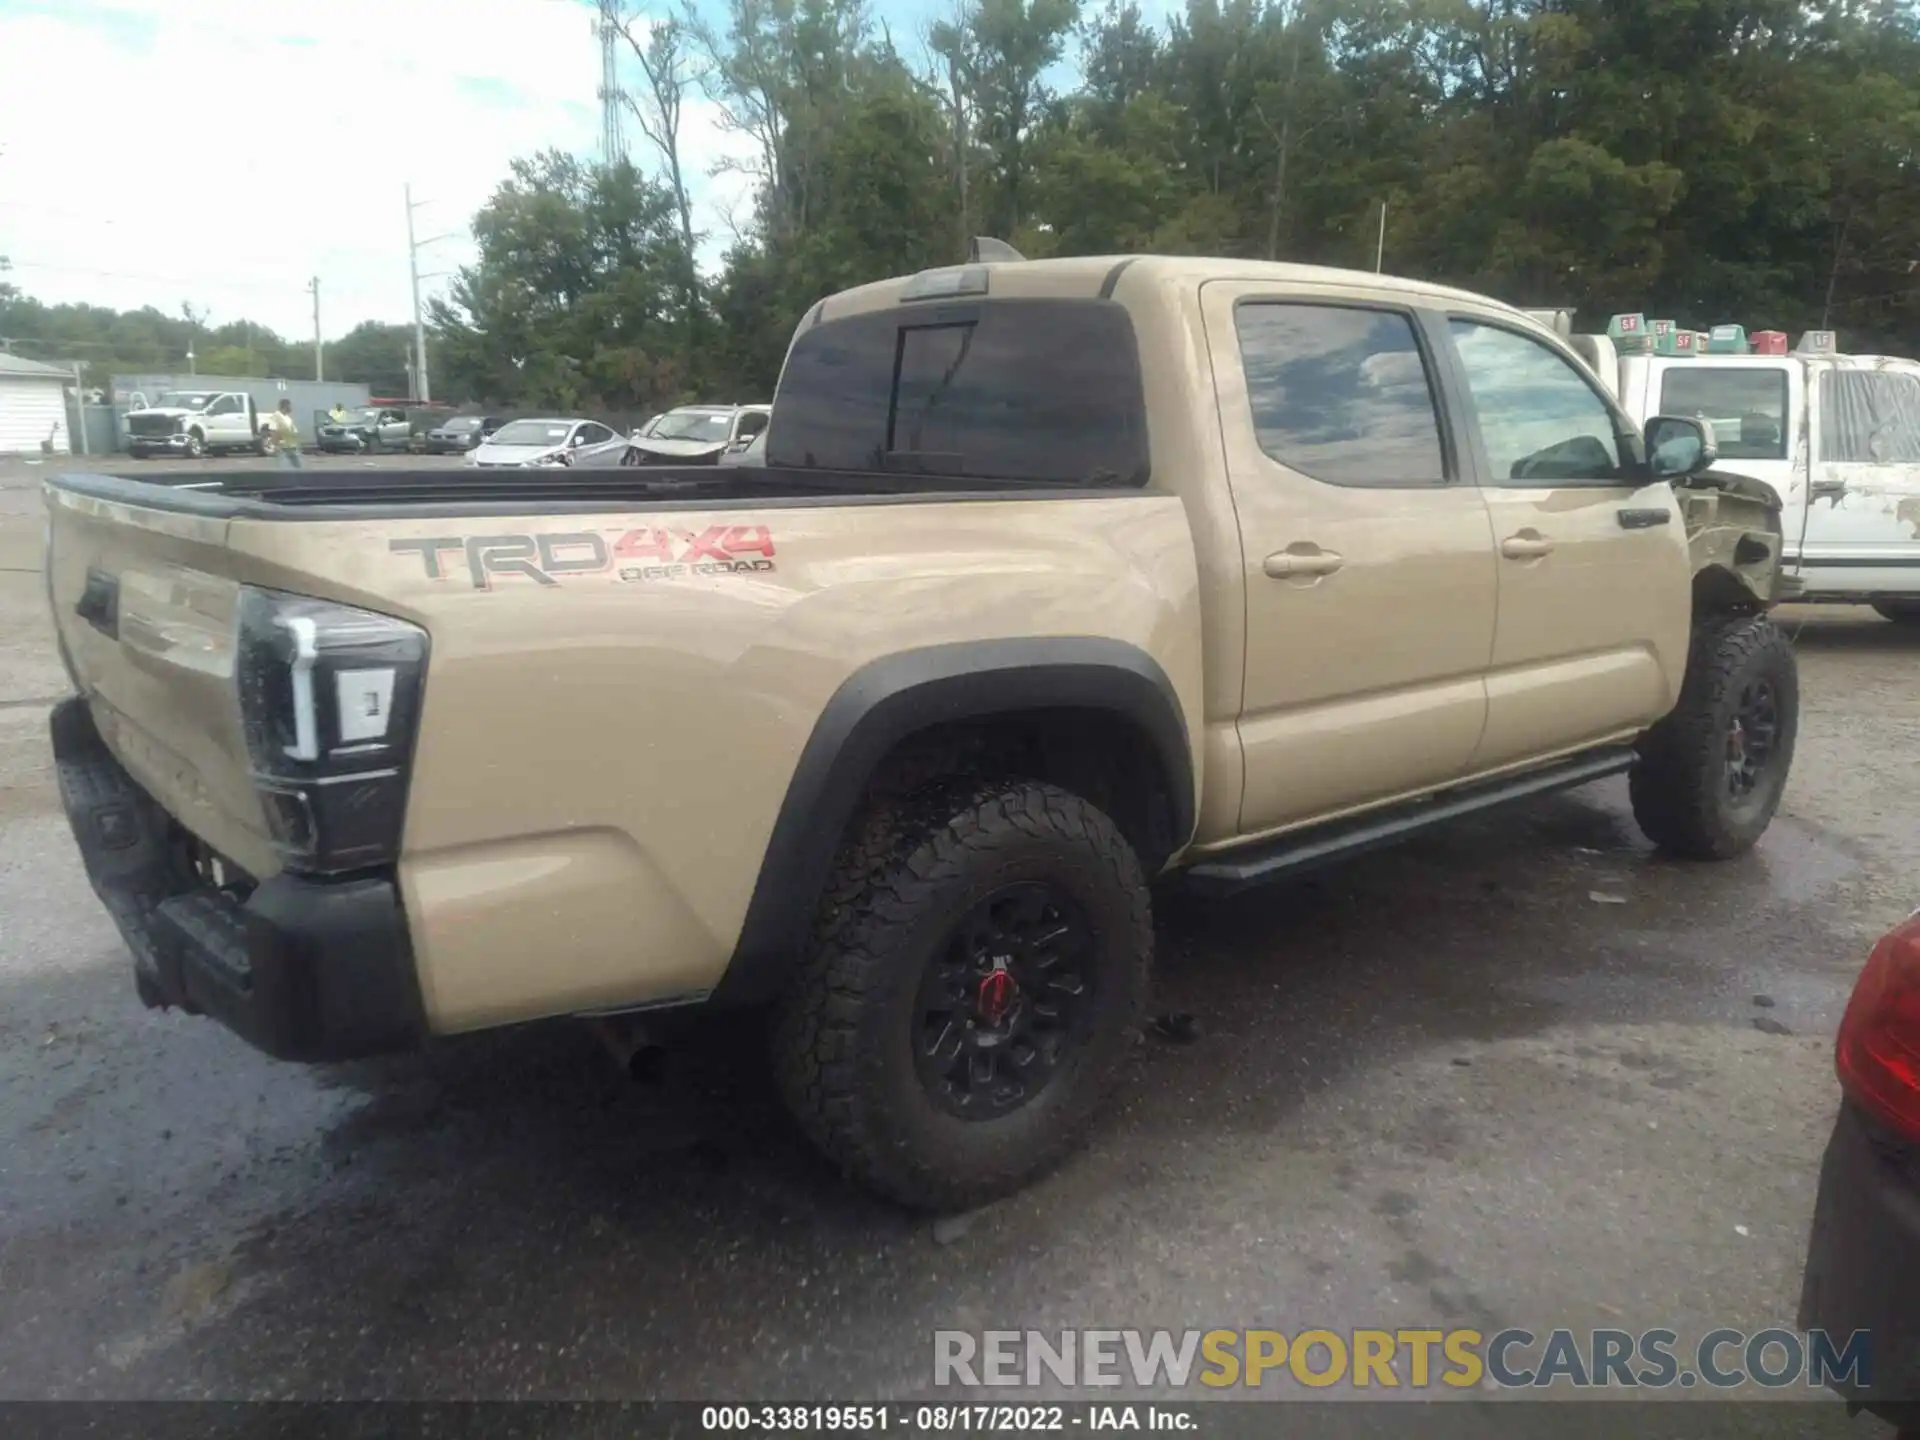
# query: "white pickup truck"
1836,436
198,422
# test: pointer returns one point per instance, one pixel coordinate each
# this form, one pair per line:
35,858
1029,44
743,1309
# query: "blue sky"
221,152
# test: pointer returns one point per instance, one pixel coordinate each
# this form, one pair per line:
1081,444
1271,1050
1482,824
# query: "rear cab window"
1016,391
1746,405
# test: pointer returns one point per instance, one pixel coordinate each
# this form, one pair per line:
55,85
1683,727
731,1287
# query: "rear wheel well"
1099,755
1093,716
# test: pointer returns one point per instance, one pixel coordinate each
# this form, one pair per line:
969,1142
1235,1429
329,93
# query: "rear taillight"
330,697
1878,1053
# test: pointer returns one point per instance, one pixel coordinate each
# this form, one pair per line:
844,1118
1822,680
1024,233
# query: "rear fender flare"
891,699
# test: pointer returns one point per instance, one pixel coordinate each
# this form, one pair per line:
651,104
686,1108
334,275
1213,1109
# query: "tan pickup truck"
1060,576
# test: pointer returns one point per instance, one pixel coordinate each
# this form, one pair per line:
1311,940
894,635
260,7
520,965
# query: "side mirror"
576,439
1679,446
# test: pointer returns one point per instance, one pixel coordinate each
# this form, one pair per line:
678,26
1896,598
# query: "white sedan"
522,443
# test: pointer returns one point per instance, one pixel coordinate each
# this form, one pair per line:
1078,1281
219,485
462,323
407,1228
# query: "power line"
55,344
33,207
199,283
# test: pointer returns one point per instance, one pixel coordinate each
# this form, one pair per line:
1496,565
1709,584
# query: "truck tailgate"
145,608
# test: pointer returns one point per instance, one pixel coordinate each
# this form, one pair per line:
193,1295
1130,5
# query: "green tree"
1009,46
1752,160
575,299
379,355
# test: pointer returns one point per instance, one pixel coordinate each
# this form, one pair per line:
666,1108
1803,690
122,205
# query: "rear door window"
1746,405
1340,393
1045,392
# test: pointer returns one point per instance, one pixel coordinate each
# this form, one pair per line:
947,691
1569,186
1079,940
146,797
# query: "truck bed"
278,494
623,670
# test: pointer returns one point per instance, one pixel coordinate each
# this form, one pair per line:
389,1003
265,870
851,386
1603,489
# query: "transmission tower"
613,139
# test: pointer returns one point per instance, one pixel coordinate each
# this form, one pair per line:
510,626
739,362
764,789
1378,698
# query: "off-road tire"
1901,612
843,1032
1679,784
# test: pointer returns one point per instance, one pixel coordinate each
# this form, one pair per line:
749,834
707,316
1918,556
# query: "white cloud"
223,151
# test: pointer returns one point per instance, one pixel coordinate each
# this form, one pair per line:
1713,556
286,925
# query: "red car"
1863,1257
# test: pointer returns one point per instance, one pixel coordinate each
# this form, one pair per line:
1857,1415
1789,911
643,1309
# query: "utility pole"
77,441
195,319
414,247
1380,249
319,353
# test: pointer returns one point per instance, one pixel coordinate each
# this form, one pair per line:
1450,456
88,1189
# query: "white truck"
1836,436
198,422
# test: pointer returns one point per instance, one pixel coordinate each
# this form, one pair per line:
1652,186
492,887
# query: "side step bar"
1302,850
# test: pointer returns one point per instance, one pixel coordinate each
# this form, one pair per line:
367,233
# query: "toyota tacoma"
1060,577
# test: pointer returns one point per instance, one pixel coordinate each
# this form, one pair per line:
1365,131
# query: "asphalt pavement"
1519,1073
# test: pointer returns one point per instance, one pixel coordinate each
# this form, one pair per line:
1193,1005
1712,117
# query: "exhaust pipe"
633,1046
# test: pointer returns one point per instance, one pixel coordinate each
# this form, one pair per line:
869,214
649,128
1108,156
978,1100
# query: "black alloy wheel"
1005,1003
1752,736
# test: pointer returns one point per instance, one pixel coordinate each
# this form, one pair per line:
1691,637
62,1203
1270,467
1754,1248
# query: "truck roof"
1098,275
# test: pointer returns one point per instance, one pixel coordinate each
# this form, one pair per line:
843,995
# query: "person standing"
286,435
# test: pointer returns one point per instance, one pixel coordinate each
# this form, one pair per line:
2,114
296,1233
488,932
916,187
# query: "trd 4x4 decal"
648,553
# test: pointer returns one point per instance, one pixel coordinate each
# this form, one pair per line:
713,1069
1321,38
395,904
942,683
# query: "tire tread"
1674,785
897,855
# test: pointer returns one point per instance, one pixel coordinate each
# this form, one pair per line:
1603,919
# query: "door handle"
1284,564
1527,545
1644,519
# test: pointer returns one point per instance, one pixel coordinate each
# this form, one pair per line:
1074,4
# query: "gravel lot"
1444,1085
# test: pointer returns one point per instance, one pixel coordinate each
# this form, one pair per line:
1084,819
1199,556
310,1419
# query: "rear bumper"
1863,1260
302,969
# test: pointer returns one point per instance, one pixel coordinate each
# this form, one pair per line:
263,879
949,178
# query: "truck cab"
1835,436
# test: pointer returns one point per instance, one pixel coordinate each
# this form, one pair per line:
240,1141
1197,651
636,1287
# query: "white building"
33,406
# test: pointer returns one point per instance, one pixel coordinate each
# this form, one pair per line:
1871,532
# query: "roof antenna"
985,250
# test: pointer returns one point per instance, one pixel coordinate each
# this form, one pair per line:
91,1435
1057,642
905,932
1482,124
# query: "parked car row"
687,435
211,422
